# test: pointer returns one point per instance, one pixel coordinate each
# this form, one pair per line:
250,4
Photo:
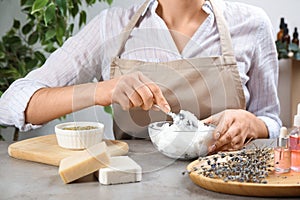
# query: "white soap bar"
122,169
84,163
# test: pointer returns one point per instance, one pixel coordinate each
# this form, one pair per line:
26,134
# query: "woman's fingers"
234,145
234,126
226,135
222,122
157,97
139,91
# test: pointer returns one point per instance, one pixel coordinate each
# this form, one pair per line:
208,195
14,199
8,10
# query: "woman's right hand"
131,90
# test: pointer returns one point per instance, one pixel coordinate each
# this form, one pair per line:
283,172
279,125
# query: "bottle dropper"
283,138
282,153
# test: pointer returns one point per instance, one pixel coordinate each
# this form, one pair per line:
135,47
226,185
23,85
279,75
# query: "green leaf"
74,10
33,38
30,64
1,46
50,34
62,5
27,28
71,28
26,10
109,110
70,4
297,56
16,24
23,51
11,72
29,3
38,5
14,40
283,51
50,48
90,2
60,30
22,3
293,47
62,117
109,2
49,14
69,31
41,57
2,55
11,32
82,18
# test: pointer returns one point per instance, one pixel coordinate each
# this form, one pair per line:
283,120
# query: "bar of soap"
122,169
84,163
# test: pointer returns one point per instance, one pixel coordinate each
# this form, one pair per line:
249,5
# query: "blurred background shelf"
295,88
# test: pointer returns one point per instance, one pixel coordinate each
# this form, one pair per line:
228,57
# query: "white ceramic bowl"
180,144
78,138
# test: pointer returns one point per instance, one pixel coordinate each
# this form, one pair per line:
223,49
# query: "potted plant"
25,46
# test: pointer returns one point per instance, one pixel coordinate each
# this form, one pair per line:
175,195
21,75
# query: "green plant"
287,51
1,138
48,24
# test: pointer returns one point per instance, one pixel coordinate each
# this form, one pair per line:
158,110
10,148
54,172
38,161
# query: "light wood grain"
44,149
279,185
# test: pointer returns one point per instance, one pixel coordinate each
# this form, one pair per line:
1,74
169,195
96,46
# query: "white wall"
275,9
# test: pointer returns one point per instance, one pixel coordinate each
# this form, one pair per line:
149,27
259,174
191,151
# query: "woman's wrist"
104,92
260,129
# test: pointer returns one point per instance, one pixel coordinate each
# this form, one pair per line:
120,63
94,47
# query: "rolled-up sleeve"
264,102
14,102
76,62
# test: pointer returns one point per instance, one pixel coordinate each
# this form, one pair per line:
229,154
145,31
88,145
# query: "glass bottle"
295,37
294,142
286,37
281,28
282,153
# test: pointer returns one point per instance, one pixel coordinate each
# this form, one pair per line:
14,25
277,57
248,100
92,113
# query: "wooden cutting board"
44,149
279,185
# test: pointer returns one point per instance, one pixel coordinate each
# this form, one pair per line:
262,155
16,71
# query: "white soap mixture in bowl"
181,141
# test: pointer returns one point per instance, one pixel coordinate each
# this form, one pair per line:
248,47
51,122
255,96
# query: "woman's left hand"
233,128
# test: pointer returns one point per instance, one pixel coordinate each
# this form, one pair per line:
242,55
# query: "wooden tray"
44,149
278,185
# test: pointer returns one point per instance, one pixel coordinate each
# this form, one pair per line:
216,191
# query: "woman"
216,59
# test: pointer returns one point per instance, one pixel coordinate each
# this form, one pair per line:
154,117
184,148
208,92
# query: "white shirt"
87,56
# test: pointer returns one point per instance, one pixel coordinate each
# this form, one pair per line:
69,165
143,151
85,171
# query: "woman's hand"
233,128
132,90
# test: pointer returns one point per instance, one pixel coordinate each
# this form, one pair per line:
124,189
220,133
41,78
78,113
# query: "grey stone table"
162,179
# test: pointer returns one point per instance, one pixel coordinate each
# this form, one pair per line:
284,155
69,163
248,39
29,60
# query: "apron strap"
225,38
133,21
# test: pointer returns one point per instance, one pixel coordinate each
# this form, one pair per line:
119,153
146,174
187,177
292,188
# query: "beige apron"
203,86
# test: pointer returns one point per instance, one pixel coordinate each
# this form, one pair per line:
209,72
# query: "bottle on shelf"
295,39
281,29
286,37
294,142
282,153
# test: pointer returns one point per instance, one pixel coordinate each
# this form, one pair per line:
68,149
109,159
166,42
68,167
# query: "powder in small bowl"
77,128
79,135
